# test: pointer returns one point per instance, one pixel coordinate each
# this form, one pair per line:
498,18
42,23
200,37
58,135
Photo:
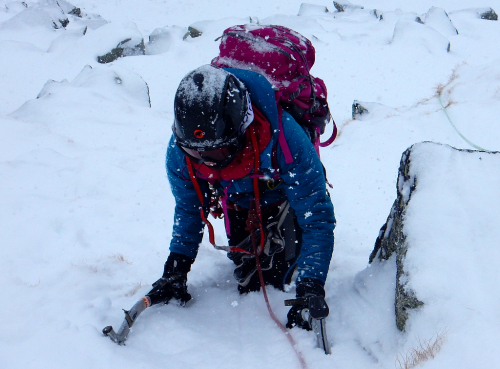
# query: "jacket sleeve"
305,188
188,227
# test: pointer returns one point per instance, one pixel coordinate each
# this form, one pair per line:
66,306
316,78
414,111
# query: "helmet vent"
198,81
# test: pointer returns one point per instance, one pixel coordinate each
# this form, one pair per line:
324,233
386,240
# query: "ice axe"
161,293
315,311
130,317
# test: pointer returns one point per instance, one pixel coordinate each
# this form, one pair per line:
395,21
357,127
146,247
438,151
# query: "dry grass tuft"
425,350
84,264
120,258
454,75
341,126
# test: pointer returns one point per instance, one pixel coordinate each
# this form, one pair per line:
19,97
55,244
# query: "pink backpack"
285,58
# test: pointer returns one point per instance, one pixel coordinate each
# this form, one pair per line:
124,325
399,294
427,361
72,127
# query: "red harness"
247,159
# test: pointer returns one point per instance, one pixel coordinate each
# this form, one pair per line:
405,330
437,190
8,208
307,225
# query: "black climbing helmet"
212,111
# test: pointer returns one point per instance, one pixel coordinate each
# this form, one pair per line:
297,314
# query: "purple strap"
281,139
316,141
223,202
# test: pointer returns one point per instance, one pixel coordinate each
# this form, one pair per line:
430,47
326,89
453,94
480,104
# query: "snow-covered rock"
129,43
371,110
98,87
162,39
441,193
46,14
438,19
127,47
312,9
420,37
343,6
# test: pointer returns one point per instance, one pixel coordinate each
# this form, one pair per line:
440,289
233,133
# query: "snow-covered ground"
86,210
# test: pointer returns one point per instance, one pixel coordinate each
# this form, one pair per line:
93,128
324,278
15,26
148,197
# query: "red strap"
211,233
256,189
192,176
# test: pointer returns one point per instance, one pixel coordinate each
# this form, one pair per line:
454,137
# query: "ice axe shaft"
130,317
162,292
319,329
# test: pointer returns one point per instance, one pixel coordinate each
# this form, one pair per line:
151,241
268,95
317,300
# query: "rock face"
392,240
423,217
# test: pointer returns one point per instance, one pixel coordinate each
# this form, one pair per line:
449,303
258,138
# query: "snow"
207,88
87,212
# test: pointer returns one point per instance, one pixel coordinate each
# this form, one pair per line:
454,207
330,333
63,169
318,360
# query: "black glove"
173,283
310,303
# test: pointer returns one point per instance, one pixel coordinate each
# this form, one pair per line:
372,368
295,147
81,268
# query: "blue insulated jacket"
303,185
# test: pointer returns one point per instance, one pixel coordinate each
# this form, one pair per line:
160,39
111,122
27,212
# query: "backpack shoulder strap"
281,138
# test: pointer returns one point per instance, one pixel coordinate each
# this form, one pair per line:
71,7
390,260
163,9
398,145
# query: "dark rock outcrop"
363,110
192,32
358,109
127,47
489,15
392,240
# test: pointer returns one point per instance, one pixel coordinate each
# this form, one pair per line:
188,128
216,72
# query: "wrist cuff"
177,263
310,287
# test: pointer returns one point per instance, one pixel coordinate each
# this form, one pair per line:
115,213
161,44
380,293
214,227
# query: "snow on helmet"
212,109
